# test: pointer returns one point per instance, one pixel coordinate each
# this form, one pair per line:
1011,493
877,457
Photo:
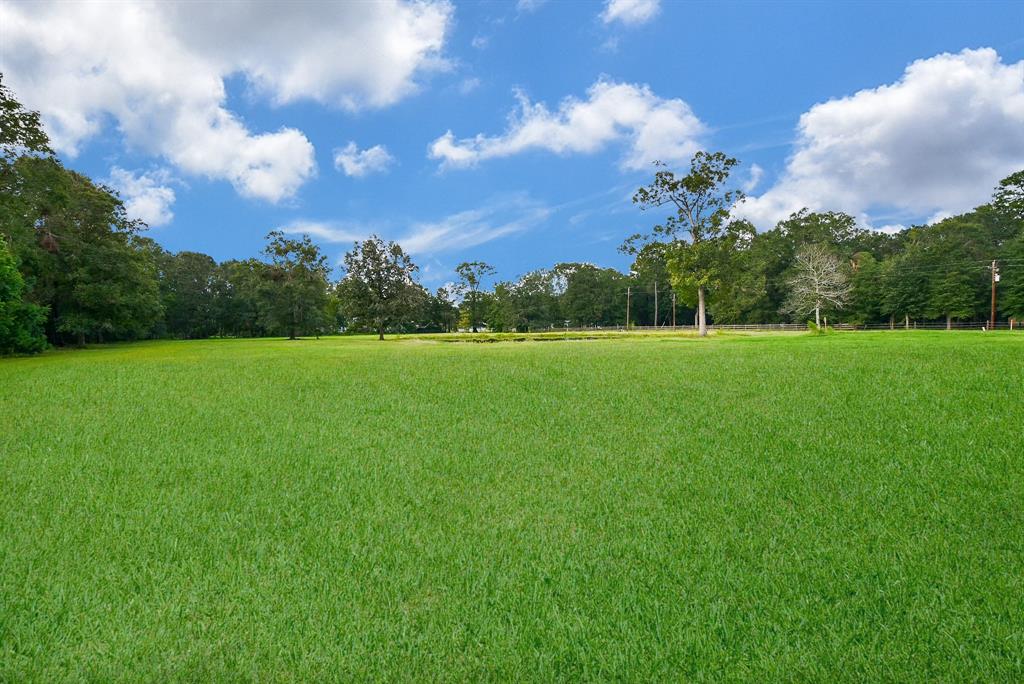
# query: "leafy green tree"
865,289
21,323
188,287
1011,286
701,208
79,254
904,287
239,295
471,275
951,295
593,296
444,314
378,289
1009,196
295,292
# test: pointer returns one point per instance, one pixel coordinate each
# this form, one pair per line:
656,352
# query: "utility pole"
655,304
673,309
995,279
628,289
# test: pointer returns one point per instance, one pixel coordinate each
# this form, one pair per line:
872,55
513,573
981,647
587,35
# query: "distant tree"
537,301
593,296
702,208
1011,296
295,295
471,275
378,289
21,323
444,314
188,290
818,282
865,289
952,296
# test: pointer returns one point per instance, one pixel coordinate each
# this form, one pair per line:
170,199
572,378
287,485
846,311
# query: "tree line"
75,268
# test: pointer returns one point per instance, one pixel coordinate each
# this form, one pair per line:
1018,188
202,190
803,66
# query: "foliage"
697,231
471,275
295,286
21,323
378,290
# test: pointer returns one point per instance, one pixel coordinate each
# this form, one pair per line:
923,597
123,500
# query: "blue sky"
221,122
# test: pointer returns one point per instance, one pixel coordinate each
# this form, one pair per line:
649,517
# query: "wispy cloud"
499,217
328,231
475,226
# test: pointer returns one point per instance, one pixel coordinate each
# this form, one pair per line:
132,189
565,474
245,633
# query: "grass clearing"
844,507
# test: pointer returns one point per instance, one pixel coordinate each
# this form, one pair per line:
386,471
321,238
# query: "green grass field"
847,507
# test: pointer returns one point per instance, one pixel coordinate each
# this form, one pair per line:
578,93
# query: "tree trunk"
949,322
906,321
817,316
702,321
291,333
380,333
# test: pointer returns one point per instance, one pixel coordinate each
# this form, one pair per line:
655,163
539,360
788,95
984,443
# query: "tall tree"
819,282
471,275
377,289
296,291
702,208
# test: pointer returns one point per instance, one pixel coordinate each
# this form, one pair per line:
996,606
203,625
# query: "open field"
847,507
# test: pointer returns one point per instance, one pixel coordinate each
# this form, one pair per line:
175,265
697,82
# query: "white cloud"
474,227
630,12
480,42
468,85
328,231
529,5
654,127
933,143
498,218
147,196
756,174
158,70
359,163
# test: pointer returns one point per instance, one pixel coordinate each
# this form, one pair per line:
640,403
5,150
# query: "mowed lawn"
848,507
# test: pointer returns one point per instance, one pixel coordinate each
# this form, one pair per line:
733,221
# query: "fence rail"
792,327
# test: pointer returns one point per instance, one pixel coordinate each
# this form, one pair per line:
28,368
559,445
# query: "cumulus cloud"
162,79
655,128
147,196
630,12
358,163
933,143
